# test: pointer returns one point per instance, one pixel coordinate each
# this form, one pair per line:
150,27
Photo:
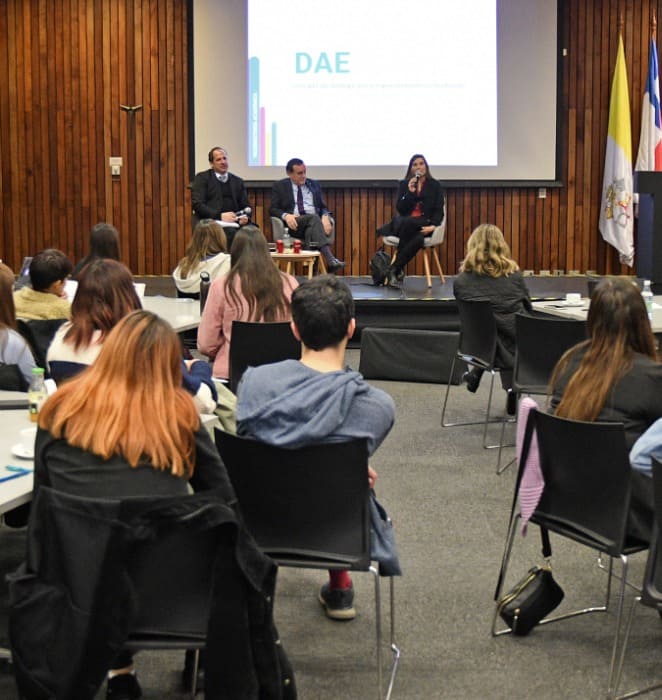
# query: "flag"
616,223
649,156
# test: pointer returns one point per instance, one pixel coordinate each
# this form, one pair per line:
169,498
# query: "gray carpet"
450,512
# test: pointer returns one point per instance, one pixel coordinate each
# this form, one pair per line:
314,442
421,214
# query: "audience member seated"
253,290
45,298
207,252
488,273
104,243
127,428
316,399
16,361
105,295
614,376
299,202
420,206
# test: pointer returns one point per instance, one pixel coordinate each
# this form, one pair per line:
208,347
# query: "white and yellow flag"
616,223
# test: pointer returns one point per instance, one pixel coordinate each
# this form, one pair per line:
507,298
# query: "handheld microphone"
418,174
244,212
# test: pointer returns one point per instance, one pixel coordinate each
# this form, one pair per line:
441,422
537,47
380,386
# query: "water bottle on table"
36,393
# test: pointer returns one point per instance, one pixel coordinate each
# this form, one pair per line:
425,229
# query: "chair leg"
426,264
438,263
443,409
194,680
378,633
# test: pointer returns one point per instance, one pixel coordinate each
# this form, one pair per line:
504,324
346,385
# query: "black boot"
395,277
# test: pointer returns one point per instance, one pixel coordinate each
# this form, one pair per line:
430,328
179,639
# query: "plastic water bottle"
647,294
36,393
287,241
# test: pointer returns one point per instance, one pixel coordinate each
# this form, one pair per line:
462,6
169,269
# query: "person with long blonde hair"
615,376
253,290
125,428
14,351
207,252
489,273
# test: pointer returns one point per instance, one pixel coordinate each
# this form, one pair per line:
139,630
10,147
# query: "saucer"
19,451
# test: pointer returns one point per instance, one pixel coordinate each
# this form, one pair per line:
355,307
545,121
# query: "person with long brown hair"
14,351
127,428
489,273
253,290
207,252
615,376
420,206
105,294
104,243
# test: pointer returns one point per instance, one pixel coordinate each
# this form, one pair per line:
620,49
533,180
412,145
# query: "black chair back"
478,333
586,470
540,344
304,507
39,334
651,591
255,344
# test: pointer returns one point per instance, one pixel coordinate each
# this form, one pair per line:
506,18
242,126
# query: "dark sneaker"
394,279
472,380
123,687
338,603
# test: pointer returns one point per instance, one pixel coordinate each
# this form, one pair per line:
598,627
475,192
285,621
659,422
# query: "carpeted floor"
450,511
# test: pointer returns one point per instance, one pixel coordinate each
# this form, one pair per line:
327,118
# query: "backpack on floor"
379,267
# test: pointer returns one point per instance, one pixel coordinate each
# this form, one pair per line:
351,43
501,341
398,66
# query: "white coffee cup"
27,439
573,298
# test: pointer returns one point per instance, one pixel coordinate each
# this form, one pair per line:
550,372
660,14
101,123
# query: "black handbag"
530,600
379,267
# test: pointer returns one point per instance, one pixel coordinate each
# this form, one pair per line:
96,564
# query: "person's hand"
413,185
242,221
328,226
427,230
372,477
229,217
291,222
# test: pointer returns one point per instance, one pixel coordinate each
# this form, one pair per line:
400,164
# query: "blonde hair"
208,239
488,253
130,402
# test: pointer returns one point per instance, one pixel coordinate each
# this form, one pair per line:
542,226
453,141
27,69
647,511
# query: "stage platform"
416,307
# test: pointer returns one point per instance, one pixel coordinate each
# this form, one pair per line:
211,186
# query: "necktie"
302,211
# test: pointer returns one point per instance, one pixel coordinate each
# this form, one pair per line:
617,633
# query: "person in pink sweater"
253,290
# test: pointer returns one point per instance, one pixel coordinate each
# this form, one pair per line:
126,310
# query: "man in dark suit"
218,194
299,202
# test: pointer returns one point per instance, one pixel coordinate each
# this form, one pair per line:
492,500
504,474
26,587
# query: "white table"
306,258
13,399
181,314
19,490
579,313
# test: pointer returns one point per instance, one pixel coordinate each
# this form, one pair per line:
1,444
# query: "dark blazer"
207,198
282,198
431,198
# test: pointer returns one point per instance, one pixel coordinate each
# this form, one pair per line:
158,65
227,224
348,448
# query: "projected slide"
325,84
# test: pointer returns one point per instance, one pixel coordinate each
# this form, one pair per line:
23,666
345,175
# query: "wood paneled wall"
65,68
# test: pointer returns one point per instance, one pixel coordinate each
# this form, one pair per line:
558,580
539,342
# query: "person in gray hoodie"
316,399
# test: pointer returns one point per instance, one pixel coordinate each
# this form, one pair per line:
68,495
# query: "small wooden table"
306,257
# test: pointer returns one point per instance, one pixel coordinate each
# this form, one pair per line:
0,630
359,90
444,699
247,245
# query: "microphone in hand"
418,174
246,211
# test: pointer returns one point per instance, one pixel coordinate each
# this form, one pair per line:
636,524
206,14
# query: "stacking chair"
477,348
431,243
586,499
540,344
255,344
651,592
39,333
309,508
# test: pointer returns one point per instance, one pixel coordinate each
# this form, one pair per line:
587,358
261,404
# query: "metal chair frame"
572,453
477,348
314,534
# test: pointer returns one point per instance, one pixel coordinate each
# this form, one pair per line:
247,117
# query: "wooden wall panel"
65,67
